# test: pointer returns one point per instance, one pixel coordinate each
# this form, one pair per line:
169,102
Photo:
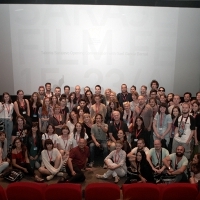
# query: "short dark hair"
151,91
188,93
98,86
162,88
66,86
165,106
47,141
47,84
154,81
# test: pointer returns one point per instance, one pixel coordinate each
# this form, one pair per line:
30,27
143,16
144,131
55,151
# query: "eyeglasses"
161,90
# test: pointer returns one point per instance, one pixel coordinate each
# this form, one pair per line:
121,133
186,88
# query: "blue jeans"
103,144
8,125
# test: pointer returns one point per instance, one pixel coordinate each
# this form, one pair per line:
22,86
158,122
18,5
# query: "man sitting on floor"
76,163
178,165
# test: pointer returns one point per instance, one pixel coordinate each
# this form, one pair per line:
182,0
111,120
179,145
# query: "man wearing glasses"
178,166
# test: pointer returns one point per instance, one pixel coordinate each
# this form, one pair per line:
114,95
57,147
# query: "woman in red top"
20,159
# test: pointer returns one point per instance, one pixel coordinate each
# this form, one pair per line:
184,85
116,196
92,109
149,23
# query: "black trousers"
28,167
79,177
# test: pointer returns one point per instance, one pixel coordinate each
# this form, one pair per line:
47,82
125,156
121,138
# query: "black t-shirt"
21,133
114,128
197,125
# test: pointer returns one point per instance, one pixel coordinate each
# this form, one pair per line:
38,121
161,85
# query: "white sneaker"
60,174
49,177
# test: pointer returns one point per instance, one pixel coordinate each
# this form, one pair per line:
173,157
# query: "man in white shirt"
184,131
140,146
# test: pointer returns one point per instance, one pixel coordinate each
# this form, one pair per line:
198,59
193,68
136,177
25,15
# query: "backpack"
13,175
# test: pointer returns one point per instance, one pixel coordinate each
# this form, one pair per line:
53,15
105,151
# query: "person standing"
124,95
6,112
145,111
184,131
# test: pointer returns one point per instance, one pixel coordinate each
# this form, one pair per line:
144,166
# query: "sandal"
100,176
116,179
38,179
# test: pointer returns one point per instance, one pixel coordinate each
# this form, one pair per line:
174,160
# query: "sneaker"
60,174
49,177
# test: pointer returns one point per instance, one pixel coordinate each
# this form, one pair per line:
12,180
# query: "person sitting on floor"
143,168
20,159
51,161
116,163
195,169
140,146
178,164
132,173
155,157
76,163
3,152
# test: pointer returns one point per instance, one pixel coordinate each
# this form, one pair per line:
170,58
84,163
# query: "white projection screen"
105,45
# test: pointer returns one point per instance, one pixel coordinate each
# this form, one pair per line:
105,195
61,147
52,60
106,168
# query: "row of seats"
99,191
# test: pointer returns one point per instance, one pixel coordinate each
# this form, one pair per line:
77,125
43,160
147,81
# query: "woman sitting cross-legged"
143,168
4,162
116,162
20,159
51,160
195,169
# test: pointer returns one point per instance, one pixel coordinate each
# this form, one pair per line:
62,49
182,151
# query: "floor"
90,178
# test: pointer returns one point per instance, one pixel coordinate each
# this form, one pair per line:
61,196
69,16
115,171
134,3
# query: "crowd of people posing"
147,137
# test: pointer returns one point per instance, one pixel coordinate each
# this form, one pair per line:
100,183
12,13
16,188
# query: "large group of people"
144,136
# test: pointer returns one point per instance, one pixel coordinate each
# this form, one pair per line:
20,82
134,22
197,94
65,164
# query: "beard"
179,154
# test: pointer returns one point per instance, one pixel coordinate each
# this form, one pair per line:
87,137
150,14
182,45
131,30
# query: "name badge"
35,148
24,112
34,115
135,140
160,129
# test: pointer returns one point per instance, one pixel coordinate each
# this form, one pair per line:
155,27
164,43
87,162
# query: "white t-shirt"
70,126
185,126
145,149
64,144
76,139
53,137
7,110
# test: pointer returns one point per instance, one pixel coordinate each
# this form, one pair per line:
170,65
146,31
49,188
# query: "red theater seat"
140,191
179,191
2,194
64,191
26,191
102,191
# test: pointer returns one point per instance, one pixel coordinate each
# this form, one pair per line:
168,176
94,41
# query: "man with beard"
146,112
184,131
178,167
140,146
124,95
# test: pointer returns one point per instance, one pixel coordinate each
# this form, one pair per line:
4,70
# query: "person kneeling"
51,160
117,167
